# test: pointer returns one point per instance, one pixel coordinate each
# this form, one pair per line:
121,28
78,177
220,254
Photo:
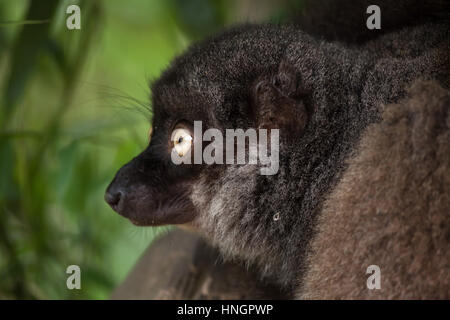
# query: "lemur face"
219,86
151,189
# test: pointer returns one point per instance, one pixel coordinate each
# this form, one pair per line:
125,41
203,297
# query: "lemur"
330,94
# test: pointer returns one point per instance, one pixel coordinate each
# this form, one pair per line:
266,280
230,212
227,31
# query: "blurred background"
74,107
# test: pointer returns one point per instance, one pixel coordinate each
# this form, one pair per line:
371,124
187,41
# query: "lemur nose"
114,197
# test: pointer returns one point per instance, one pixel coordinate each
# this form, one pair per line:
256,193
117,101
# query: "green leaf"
25,51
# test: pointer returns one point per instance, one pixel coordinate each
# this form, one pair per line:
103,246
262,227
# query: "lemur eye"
182,141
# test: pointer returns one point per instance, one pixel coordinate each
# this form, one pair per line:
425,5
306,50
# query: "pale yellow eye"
182,141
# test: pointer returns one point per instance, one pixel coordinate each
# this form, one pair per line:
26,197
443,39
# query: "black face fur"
320,95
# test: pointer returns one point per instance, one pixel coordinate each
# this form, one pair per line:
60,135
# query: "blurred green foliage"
75,107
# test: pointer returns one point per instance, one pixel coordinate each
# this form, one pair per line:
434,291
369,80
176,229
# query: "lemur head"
225,83
231,81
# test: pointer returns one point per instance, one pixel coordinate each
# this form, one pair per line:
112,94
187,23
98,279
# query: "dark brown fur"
391,208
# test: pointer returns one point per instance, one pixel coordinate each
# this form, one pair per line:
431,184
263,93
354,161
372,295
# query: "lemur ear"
277,103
